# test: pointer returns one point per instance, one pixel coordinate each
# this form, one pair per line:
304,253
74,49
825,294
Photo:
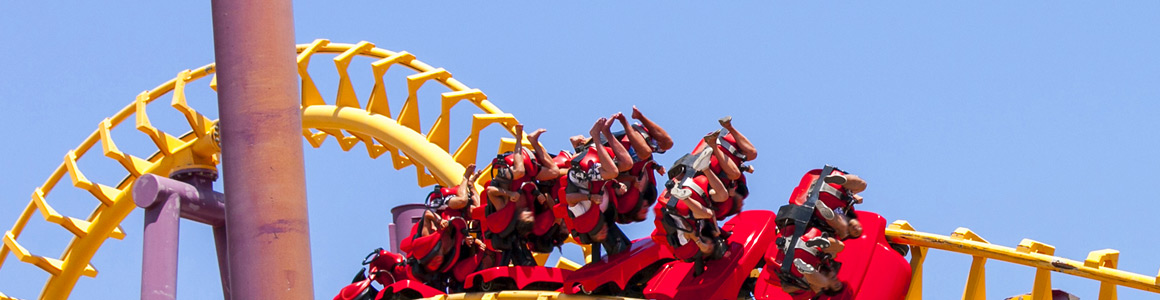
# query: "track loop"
345,120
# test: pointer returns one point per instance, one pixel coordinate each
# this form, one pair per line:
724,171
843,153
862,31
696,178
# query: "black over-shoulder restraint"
799,216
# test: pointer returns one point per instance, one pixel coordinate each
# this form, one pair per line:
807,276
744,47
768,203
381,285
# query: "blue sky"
1017,120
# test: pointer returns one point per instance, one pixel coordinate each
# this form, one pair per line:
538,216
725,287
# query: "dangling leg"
743,144
732,172
664,142
836,221
608,168
643,151
717,190
623,161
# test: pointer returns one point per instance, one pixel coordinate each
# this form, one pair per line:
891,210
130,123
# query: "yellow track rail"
346,119
1100,265
350,123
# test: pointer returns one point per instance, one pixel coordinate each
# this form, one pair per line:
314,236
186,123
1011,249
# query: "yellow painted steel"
1106,258
1041,289
1099,266
917,257
976,288
345,120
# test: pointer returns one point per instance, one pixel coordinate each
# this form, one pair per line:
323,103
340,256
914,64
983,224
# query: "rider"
592,186
685,220
814,270
434,247
509,209
456,201
733,149
812,227
836,200
548,230
642,140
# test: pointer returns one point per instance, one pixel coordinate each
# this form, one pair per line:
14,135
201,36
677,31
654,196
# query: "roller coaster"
351,121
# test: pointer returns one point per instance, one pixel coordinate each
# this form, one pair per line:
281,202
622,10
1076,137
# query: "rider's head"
525,221
642,212
832,285
600,235
834,288
855,228
502,177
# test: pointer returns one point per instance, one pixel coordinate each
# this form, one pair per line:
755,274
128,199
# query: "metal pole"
166,201
267,231
209,210
159,245
219,242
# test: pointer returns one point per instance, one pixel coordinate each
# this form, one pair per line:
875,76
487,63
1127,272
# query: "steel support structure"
262,165
166,201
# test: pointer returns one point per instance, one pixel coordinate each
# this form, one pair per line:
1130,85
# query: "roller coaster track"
350,123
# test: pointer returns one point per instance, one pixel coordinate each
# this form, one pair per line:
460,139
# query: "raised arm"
518,155
548,168
461,198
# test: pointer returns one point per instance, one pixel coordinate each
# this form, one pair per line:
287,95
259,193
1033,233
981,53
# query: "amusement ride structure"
185,165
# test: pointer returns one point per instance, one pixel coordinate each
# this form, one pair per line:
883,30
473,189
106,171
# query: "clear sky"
1015,119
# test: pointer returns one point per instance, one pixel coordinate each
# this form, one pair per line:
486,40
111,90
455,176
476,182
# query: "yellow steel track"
350,122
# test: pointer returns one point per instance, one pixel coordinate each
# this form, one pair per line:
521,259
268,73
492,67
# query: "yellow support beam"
346,96
165,143
568,264
469,148
1007,254
136,166
440,133
1041,289
917,258
310,94
378,103
103,193
976,288
51,265
198,123
1107,258
409,115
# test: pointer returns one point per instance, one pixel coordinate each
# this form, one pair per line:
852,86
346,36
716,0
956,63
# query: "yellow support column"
917,257
976,288
1041,289
541,258
1104,259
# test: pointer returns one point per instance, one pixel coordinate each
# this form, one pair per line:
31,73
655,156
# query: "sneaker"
835,179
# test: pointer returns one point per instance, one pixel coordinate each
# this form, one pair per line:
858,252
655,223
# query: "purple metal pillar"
405,216
261,127
209,210
219,241
162,217
166,201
